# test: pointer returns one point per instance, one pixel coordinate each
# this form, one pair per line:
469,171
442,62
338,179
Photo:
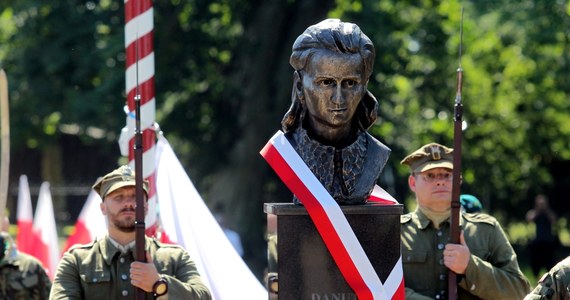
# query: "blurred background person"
543,247
22,276
231,234
470,204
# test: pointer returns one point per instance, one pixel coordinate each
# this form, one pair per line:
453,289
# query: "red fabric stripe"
400,293
381,201
148,136
134,8
26,238
145,47
146,90
80,235
321,220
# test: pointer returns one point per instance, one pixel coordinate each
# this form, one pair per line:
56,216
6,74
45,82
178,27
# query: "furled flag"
188,222
25,238
90,224
47,249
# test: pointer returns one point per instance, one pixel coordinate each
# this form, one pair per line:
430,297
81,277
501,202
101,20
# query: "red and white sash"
331,223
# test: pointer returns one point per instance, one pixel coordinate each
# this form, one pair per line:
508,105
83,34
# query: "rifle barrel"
454,234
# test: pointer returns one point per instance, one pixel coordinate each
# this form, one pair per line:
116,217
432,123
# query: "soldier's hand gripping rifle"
455,191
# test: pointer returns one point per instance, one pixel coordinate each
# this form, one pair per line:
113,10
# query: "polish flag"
90,224
25,238
188,221
47,248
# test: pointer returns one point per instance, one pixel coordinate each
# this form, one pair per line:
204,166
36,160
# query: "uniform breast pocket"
96,284
414,257
414,264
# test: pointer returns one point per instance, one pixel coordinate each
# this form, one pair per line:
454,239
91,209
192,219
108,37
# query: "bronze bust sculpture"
332,109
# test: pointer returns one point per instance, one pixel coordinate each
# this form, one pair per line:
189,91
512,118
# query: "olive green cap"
119,178
429,157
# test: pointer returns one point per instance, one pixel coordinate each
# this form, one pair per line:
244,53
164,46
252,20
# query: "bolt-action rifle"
457,136
139,193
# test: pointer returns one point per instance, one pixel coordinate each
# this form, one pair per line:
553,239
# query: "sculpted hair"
340,37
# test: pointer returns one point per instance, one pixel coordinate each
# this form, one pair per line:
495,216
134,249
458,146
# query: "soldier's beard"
126,224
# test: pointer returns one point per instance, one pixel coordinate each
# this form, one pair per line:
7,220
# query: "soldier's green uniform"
554,285
492,273
22,277
490,268
101,271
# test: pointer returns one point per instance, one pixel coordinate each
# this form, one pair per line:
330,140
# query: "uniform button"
441,261
125,293
439,233
122,259
440,246
124,277
441,277
94,279
437,297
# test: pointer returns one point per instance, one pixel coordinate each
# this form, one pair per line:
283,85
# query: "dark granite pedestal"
303,267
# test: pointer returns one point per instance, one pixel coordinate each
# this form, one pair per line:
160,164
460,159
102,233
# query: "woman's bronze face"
333,85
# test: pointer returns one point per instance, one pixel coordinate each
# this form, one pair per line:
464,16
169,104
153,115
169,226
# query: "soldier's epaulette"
480,218
405,218
160,244
81,246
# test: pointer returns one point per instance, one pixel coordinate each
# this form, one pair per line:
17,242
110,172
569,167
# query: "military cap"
470,203
428,157
121,177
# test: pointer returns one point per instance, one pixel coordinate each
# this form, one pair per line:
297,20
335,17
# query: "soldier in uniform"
106,268
22,276
554,285
484,260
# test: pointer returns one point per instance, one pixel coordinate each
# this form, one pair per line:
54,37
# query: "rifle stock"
139,194
455,192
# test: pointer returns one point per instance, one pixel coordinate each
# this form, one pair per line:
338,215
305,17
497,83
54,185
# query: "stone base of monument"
302,267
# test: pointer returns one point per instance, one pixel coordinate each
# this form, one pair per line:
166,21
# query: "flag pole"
139,33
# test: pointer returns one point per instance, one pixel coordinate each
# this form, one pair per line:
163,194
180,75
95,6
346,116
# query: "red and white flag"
90,224
25,239
188,222
47,249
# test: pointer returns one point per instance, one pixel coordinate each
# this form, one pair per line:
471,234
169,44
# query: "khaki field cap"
121,177
428,157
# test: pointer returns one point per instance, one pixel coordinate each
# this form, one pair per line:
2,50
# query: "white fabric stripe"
146,72
382,194
337,218
148,161
139,26
394,278
148,115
